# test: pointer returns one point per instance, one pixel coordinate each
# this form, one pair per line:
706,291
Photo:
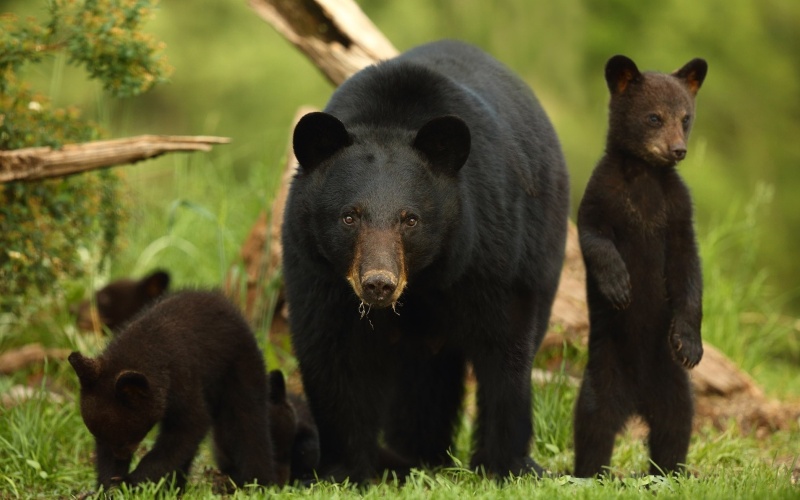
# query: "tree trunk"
335,34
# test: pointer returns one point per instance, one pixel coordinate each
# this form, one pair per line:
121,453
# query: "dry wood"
27,355
43,162
335,34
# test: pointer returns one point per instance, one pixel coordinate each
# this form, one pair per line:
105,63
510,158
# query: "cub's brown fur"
644,284
189,363
118,302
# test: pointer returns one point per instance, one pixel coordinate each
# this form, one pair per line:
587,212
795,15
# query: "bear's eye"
654,119
411,220
349,219
686,120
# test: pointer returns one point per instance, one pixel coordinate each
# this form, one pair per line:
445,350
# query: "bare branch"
43,162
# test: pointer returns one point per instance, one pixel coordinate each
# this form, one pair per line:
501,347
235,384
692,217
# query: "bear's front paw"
687,348
617,289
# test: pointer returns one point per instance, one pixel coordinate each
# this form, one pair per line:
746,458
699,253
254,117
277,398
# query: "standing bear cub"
643,284
189,363
425,229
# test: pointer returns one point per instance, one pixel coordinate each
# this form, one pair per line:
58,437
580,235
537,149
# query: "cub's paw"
616,287
687,348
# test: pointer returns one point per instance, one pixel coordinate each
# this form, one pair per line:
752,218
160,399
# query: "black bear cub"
644,285
189,363
294,434
120,300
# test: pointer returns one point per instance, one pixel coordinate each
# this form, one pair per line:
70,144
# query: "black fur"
435,184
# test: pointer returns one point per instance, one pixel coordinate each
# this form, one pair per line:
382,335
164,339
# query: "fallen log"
17,359
29,164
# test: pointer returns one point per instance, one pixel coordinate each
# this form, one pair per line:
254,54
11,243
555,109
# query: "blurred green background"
235,77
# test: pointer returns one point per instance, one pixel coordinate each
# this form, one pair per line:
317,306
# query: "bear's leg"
243,445
669,414
110,470
180,434
600,413
346,401
504,425
423,413
502,357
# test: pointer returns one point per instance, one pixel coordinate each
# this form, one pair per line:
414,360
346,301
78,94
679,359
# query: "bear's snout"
378,287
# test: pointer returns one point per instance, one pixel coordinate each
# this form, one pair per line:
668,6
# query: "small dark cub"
643,284
119,301
189,363
294,434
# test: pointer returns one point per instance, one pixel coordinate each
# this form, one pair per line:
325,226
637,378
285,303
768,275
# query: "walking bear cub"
188,363
425,229
644,284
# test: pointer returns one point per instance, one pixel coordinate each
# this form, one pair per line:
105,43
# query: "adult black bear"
120,300
644,285
425,229
188,363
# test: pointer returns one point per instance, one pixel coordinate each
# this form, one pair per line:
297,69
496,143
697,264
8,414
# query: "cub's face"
383,203
651,114
654,119
115,423
118,406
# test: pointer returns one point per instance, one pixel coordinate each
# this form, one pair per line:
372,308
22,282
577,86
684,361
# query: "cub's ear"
277,387
131,386
87,369
317,137
155,284
445,141
620,72
693,73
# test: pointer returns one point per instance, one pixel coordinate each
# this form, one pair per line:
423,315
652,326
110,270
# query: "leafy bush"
47,225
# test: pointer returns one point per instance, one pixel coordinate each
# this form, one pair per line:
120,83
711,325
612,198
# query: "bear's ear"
445,142
317,137
155,284
620,72
131,386
277,387
87,369
693,73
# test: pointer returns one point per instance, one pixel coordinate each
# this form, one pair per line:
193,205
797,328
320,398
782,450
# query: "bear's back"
189,333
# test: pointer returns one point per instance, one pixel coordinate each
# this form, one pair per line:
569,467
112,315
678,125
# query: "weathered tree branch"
43,162
335,34
17,359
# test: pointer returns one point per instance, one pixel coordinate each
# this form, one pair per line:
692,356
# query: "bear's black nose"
378,288
679,153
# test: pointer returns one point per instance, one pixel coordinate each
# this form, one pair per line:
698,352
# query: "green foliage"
48,224
742,314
